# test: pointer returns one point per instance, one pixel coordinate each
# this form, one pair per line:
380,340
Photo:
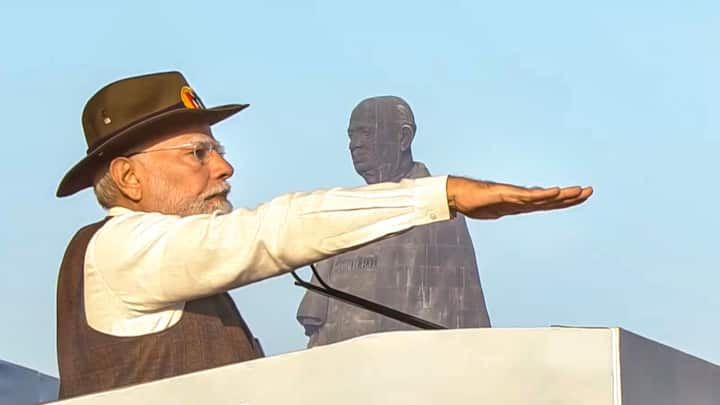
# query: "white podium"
557,365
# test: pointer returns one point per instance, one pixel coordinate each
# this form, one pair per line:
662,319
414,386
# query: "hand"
488,200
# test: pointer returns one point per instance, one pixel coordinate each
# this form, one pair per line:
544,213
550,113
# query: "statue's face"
374,142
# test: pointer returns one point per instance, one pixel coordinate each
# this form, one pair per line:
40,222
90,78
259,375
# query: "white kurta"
141,268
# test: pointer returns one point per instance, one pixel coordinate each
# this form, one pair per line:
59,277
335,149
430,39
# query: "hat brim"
82,174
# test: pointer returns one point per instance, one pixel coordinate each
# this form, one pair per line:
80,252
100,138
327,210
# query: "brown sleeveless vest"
211,333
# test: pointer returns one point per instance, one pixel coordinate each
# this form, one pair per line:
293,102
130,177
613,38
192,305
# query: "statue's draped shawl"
429,271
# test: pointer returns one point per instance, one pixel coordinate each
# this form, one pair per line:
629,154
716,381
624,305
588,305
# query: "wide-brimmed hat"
129,111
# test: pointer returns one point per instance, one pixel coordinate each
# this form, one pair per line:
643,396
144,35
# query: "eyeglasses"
201,150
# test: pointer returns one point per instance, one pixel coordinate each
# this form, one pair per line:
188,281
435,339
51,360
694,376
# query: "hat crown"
126,102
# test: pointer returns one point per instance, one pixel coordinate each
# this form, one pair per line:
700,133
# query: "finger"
570,202
558,194
530,195
570,192
565,194
583,194
548,205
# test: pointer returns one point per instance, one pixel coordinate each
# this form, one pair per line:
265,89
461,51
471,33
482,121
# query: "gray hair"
106,191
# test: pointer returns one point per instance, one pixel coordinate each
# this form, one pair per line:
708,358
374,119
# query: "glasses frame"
194,146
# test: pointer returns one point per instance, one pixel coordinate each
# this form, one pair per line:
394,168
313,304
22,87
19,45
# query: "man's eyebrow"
196,141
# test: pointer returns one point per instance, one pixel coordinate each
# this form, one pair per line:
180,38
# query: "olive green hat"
129,111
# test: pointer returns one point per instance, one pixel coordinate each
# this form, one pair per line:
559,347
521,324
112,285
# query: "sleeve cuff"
431,197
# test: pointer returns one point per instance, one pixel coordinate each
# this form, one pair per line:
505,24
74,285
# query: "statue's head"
381,131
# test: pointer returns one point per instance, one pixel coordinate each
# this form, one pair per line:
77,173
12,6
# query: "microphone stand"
360,302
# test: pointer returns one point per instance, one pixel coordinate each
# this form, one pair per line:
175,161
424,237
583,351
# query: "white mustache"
222,188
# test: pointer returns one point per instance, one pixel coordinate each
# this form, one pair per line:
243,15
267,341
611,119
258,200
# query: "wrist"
451,192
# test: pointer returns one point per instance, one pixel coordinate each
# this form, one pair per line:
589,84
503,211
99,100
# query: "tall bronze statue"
429,271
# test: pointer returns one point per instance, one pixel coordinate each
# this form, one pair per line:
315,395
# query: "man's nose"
221,168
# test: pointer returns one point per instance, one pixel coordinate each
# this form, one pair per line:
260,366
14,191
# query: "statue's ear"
407,133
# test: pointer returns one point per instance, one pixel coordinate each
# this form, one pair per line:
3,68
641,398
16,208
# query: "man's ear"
124,172
407,134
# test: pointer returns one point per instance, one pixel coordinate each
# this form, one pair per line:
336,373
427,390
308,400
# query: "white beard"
175,205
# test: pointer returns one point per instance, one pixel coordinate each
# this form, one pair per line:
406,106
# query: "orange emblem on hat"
190,100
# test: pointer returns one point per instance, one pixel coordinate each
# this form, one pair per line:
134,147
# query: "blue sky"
621,96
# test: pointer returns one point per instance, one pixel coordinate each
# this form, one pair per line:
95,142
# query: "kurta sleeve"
150,260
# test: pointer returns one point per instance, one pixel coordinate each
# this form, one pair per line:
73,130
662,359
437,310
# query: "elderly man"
142,294
429,272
